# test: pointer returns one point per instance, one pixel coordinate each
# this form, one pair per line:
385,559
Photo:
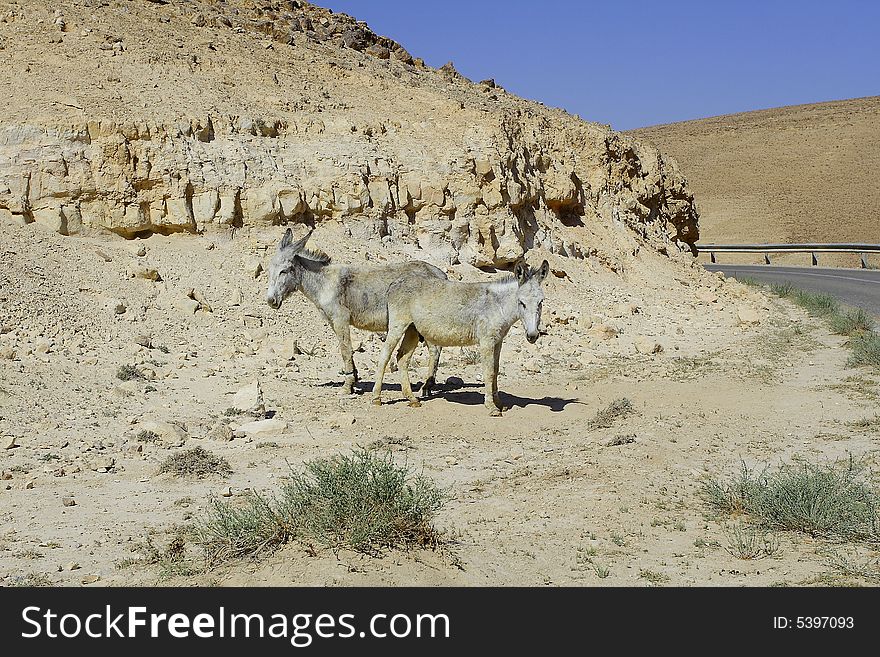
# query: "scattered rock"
226,492
30,484
68,501
624,310
168,432
144,341
73,565
188,305
118,307
236,298
196,295
145,272
250,399
90,579
7,353
646,345
10,442
706,296
603,332
261,427
102,464
220,431
748,316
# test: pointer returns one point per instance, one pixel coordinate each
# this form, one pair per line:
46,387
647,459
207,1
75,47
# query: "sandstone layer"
279,112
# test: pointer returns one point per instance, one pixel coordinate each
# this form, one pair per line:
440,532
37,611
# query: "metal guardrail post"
860,248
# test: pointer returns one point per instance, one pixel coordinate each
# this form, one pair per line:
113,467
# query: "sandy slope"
792,174
536,497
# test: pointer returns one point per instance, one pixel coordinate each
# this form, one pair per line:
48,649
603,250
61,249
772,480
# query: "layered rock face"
341,131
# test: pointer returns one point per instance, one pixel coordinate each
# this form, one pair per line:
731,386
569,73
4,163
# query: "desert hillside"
141,117
806,173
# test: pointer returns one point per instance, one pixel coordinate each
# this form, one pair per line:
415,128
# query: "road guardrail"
766,249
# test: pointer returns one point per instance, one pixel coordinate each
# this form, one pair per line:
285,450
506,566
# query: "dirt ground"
535,497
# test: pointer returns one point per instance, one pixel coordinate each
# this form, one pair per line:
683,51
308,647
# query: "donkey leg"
433,362
404,355
391,340
496,398
343,332
488,352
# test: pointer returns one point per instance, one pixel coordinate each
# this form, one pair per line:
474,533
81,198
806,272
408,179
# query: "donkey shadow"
451,384
474,398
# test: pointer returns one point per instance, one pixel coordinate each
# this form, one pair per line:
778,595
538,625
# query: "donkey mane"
315,255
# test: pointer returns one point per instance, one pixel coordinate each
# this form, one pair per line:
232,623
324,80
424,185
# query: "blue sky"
637,63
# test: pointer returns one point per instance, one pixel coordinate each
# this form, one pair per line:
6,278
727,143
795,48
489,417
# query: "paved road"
856,287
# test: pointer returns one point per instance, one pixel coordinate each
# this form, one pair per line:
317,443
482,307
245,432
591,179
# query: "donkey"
448,313
347,295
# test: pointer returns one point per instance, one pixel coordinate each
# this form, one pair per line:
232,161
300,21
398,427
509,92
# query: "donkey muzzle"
532,337
273,302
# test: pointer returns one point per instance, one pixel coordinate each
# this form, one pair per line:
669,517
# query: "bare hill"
140,117
792,174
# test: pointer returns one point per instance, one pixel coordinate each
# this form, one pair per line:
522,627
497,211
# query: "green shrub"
833,501
363,501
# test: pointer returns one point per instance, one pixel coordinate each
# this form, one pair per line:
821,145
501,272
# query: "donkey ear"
521,271
542,272
286,240
302,241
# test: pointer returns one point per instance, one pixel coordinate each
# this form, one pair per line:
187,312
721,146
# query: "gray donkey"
347,295
448,313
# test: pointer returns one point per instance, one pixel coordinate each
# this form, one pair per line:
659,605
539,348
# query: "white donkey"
347,295
448,313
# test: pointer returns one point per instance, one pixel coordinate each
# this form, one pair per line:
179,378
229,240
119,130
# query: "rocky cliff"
139,117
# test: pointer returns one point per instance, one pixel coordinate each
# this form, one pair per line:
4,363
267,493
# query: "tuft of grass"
866,423
28,580
363,501
747,542
601,571
172,559
653,576
196,462
616,410
852,566
751,282
833,501
147,436
865,351
852,322
231,411
856,324
128,373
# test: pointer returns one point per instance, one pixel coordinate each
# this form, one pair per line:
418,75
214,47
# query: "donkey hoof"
495,412
377,402
415,403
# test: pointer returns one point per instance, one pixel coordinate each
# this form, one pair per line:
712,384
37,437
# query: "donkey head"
530,296
285,268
